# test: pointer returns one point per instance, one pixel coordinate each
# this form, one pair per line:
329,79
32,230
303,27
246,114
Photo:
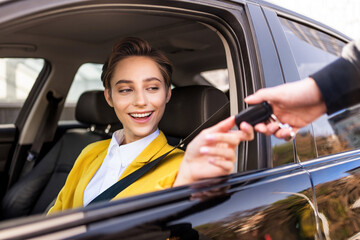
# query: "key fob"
254,114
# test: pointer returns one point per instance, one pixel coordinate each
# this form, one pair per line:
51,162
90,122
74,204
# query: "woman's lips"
141,117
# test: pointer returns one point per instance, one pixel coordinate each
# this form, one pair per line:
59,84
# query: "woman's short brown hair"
133,46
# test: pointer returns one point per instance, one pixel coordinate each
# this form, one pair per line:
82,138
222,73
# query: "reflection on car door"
273,204
337,179
270,204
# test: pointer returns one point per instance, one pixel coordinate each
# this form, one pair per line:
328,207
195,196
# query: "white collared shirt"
117,159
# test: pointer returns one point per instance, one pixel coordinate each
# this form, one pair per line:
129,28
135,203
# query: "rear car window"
304,40
17,77
218,78
320,138
87,78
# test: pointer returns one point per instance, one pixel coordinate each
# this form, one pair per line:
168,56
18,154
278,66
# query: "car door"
258,202
328,148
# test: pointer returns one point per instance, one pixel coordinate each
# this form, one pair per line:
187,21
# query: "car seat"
188,108
35,191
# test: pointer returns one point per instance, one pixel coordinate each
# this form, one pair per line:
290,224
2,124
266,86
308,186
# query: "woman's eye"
125,90
153,88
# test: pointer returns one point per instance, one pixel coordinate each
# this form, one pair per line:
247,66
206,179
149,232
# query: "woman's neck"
128,138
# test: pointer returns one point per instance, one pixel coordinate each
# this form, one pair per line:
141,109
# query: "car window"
304,40
218,78
87,78
313,49
17,76
346,131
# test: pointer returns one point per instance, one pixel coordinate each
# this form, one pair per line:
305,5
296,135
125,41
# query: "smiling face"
138,95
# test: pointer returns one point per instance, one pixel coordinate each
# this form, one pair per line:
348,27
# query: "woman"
137,85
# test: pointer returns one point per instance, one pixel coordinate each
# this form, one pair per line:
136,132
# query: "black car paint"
275,203
209,207
236,203
336,185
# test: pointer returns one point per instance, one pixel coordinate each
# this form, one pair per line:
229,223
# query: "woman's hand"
212,153
297,104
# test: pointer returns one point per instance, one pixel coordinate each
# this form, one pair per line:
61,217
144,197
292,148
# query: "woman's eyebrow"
123,81
151,79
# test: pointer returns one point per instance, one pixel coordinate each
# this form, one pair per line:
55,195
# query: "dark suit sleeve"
339,82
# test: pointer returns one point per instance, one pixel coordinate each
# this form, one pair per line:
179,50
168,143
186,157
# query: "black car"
52,51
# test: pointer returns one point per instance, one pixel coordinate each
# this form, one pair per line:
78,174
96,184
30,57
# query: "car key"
259,113
254,114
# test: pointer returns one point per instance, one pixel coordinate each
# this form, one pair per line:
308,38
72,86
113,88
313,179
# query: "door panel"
337,179
270,204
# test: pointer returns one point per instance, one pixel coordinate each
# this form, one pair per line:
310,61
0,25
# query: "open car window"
87,78
17,76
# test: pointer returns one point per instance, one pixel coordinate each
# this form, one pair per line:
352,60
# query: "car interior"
68,37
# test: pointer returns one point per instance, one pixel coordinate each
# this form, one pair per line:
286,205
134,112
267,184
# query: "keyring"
284,126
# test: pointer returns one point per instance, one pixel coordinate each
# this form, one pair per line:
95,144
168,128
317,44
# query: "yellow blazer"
91,158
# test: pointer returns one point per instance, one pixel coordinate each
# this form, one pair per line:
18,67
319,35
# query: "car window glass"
87,78
17,76
218,78
312,50
304,40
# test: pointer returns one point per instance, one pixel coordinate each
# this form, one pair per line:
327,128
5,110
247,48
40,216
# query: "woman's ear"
108,97
168,95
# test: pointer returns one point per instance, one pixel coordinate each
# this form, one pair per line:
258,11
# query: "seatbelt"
43,133
119,186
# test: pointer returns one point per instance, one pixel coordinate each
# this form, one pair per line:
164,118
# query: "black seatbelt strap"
119,186
43,132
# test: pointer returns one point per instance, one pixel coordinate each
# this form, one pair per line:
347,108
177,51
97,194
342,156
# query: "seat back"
189,107
34,192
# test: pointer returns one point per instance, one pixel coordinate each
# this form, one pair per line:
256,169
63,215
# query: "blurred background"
343,15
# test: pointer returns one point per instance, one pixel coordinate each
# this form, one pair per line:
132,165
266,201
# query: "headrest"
189,107
92,108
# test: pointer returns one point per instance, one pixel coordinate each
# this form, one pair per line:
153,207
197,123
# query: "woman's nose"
140,99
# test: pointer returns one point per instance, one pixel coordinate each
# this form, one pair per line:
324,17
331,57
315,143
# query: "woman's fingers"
225,165
223,126
247,131
232,138
218,152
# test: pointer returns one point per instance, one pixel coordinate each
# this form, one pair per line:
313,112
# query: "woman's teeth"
140,115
